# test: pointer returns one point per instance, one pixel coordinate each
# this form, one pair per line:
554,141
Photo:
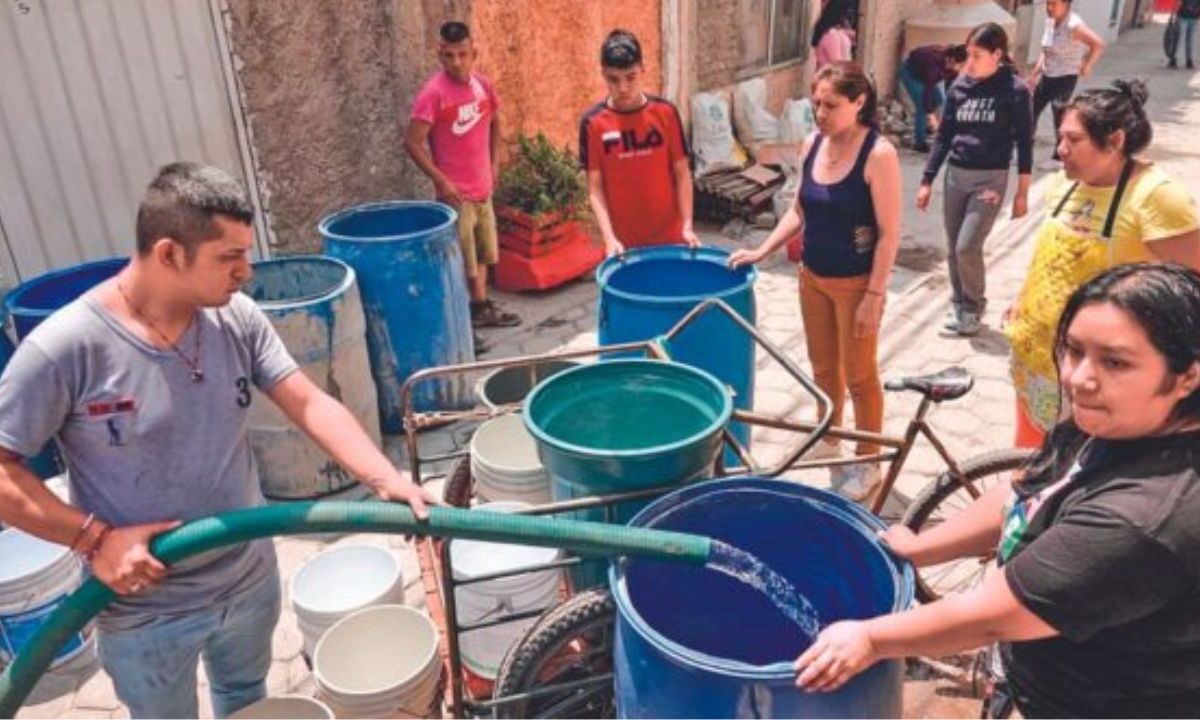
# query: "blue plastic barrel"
691,642
6,345
645,292
625,425
33,301
313,303
414,295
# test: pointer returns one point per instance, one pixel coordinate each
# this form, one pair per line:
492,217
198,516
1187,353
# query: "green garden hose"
238,526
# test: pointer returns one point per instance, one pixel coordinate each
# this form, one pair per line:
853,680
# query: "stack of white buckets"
371,655
35,577
505,464
508,477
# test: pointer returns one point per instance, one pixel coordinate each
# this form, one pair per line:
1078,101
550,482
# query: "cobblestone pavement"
912,342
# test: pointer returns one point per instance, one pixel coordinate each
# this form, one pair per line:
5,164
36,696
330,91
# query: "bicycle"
562,666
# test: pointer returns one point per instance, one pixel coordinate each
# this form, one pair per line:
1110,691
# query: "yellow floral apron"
1065,257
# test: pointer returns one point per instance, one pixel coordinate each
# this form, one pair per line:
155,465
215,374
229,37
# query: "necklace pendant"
197,375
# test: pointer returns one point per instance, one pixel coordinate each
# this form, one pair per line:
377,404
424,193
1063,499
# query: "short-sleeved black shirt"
1112,561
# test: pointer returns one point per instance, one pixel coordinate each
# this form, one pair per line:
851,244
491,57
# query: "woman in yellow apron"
1107,208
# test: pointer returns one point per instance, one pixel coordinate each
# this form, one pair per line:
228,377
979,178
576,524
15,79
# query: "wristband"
95,548
87,523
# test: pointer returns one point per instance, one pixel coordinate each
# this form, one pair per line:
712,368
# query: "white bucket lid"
344,578
503,443
23,557
472,558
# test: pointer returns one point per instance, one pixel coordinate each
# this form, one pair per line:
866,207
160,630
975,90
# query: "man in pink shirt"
454,137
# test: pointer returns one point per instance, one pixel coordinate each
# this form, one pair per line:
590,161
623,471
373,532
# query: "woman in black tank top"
848,211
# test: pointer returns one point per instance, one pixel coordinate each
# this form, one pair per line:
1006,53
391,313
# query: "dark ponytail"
1122,106
991,37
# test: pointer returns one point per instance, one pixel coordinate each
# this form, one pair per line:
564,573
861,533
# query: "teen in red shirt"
633,149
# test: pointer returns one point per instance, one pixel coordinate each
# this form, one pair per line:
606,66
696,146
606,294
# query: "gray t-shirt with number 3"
142,441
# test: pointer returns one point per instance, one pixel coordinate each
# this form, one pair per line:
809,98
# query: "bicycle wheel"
570,643
460,484
944,498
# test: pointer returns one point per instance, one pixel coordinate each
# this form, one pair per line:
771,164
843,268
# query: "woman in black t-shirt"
1097,602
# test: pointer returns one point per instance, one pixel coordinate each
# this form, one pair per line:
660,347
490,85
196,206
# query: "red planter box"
574,256
535,236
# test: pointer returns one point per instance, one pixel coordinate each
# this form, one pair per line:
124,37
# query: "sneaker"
856,482
921,147
968,324
1190,66
489,314
951,322
1171,64
965,323
824,450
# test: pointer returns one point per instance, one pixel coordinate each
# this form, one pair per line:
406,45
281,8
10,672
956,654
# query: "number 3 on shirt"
243,396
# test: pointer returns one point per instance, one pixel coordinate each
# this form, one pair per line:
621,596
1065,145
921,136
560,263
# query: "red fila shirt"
635,152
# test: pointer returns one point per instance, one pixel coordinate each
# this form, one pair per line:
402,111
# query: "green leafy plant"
543,179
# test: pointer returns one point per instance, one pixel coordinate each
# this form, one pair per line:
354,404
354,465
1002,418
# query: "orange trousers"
840,361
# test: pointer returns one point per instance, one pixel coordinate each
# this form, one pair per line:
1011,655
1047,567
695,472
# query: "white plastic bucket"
340,581
379,662
35,577
483,649
285,707
505,463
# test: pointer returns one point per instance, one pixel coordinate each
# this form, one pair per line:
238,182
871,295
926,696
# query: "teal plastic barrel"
645,292
691,642
625,425
414,296
313,303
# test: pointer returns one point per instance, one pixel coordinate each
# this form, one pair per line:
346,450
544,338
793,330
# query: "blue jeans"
153,666
916,90
1187,28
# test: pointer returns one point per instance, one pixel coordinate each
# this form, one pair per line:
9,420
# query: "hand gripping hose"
588,538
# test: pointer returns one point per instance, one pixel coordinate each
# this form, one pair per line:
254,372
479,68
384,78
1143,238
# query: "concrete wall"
882,29
326,88
544,57
714,48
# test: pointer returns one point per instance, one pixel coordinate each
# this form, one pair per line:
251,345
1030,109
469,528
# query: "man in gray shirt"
146,384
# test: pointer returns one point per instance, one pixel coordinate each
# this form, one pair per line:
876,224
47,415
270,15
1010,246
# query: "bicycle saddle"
948,384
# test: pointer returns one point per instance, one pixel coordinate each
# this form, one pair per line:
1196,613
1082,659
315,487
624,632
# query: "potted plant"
541,197
540,205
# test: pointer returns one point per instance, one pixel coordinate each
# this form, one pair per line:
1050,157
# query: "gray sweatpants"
969,218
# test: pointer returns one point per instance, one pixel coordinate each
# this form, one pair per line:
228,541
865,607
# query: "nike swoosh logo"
462,128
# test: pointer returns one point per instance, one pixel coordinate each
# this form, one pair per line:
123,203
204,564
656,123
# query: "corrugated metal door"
94,96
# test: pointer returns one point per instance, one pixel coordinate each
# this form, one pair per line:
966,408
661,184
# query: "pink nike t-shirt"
460,137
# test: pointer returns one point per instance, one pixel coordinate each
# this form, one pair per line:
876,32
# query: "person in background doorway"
1106,207
1095,601
923,74
848,210
1188,12
634,151
1069,51
832,39
454,137
147,383
987,114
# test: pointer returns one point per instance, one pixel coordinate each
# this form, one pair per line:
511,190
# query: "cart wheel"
570,643
460,485
945,497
